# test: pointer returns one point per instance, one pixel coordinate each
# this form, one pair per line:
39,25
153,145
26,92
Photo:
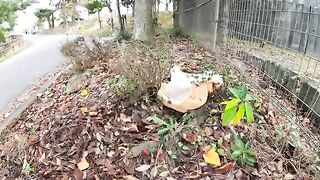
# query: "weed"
174,32
27,168
142,69
124,35
242,152
187,117
79,55
239,106
34,131
166,128
217,147
172,154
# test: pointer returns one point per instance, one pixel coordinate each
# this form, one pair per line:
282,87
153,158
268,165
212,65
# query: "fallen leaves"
212,157
84,92
225,168
83,164
143,168
84,110
136,150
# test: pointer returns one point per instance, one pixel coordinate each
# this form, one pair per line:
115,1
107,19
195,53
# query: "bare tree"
120,17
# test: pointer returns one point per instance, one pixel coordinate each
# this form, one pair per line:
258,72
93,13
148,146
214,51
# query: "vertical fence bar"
215,22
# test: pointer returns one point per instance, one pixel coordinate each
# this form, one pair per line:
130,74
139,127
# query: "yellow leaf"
84,92
83,164
84,110
212,157
239,114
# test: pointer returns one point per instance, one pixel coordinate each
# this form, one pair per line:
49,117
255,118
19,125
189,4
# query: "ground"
102,120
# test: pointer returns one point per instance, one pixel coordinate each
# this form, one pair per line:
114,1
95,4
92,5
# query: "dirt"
93,133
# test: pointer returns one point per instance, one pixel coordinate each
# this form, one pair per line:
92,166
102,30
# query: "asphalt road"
20,71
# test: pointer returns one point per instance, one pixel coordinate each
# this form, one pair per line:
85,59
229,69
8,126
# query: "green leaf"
171,121
239,115
187,117
239,143
250,160
221,152
248,98
213,146
236,154
185,147
236,92
231,103
244,90
220,141
159,121
164,131
228,115
249,112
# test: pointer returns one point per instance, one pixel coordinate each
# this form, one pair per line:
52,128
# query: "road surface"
20,71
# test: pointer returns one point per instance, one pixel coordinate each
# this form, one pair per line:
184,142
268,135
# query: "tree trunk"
133,8
52,20
158,7
143,28
99,19
49,21
167,5
119,17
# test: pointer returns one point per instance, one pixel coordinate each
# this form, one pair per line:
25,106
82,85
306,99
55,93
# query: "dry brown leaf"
136,150
225,168
33,138
83,164
289,176
78,174
129,178
93,113
191,137
154,172
279,166
143,168
110,167
212,157
84,110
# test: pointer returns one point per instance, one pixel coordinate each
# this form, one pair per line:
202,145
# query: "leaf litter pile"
104,122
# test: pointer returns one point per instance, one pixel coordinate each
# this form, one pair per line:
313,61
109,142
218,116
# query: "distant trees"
7,15
95,7
46,14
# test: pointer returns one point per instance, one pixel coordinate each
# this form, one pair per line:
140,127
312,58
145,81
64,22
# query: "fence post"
215,24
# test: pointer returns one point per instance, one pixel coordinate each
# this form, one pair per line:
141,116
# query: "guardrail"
13,42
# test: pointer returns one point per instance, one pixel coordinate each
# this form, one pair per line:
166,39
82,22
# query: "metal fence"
279,39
